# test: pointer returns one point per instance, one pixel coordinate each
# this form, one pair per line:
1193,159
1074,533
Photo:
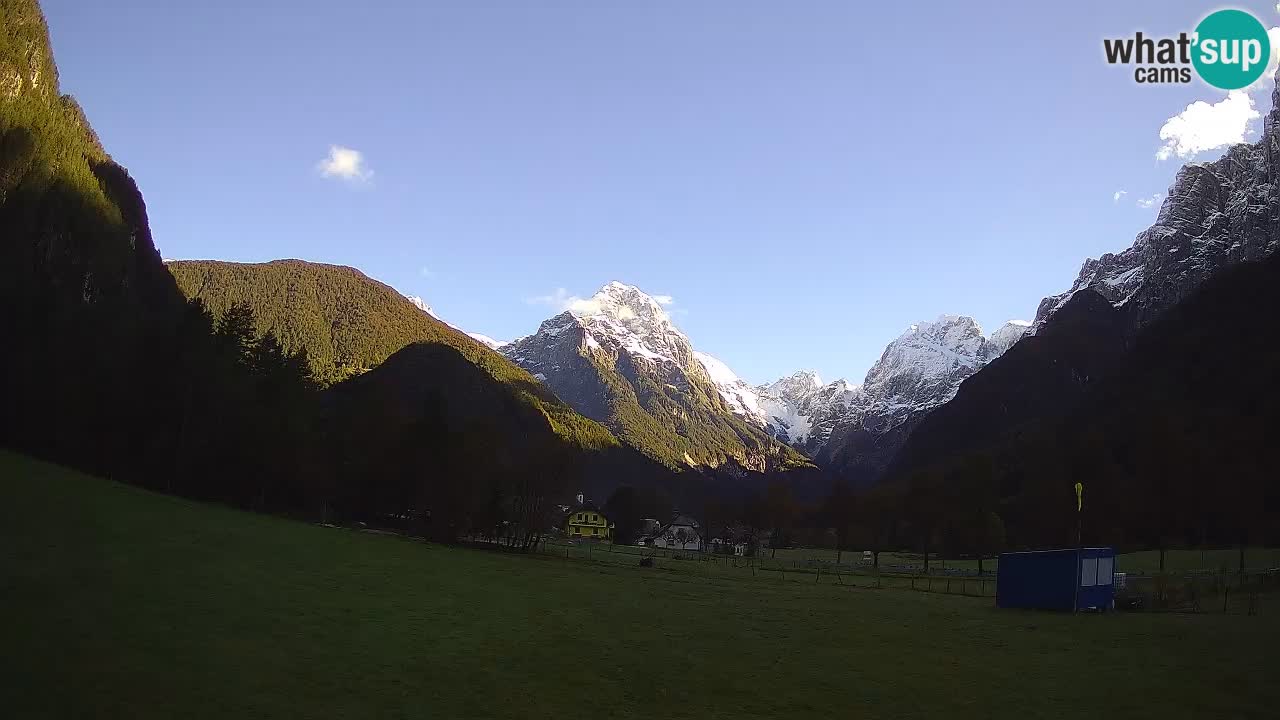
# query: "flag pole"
1075,603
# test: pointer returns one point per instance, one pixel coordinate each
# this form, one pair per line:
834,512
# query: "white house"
681,534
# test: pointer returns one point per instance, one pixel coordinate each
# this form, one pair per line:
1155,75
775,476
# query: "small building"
727,547
588,522
1069,579
681,534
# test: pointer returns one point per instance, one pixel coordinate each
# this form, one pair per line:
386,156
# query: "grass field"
121,603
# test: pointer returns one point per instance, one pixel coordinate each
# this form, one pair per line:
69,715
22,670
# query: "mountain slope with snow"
493,344
918,371
1216,214
619,359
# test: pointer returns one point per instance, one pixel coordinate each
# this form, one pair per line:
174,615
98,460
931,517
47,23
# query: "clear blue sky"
804,179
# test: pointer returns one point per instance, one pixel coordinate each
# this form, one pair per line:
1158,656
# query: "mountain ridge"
617,358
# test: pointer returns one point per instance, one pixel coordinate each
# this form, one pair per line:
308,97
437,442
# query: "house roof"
587,506
684,520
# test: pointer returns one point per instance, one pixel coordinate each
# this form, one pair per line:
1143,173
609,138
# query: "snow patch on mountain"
493,344
422,305
485,339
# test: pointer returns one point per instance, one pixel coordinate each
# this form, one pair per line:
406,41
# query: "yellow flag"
1079,497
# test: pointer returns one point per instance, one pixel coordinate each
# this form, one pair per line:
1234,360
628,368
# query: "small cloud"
561,300
1118,194
1146,203
1263,84
426,272
344,163
1203,126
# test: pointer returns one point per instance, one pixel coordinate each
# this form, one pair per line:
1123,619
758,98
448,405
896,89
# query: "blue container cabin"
1071,579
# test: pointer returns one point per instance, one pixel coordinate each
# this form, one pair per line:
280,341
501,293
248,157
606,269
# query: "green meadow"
120,603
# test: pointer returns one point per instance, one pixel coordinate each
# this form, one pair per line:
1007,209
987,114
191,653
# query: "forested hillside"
108,368
347,321
90,304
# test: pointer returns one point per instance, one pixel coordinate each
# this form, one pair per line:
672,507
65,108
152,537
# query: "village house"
588,522
683,533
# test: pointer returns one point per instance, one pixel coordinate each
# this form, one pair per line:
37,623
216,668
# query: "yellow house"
589,523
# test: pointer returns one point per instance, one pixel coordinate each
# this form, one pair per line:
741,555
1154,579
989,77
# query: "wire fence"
714,566
1239,593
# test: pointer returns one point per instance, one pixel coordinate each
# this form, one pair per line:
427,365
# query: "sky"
803,180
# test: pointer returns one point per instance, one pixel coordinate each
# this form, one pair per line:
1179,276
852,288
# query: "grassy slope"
135,605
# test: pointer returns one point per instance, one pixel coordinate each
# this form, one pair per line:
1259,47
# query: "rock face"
618,358
919,371
838,422
1216,214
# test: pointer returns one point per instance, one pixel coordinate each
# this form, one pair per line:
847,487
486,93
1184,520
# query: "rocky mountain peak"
1004,338
616,357
931,350
624,317
1215,214
795,386
625,304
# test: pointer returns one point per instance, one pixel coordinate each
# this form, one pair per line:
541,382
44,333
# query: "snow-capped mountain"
1004,338
493,344
1216,214
774,407
918,371
617,358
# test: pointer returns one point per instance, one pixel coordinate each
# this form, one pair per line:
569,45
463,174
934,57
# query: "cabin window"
1089,572
1106,570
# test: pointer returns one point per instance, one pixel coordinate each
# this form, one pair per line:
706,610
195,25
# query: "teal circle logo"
1231,49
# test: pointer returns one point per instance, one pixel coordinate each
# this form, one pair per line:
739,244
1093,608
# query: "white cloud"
1263,84
344,163
1151,201
561,300
1202,126
1118,194
426,272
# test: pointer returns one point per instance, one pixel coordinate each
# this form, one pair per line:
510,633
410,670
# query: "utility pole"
1075,604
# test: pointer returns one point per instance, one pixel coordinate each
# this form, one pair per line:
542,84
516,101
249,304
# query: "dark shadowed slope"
1172,439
